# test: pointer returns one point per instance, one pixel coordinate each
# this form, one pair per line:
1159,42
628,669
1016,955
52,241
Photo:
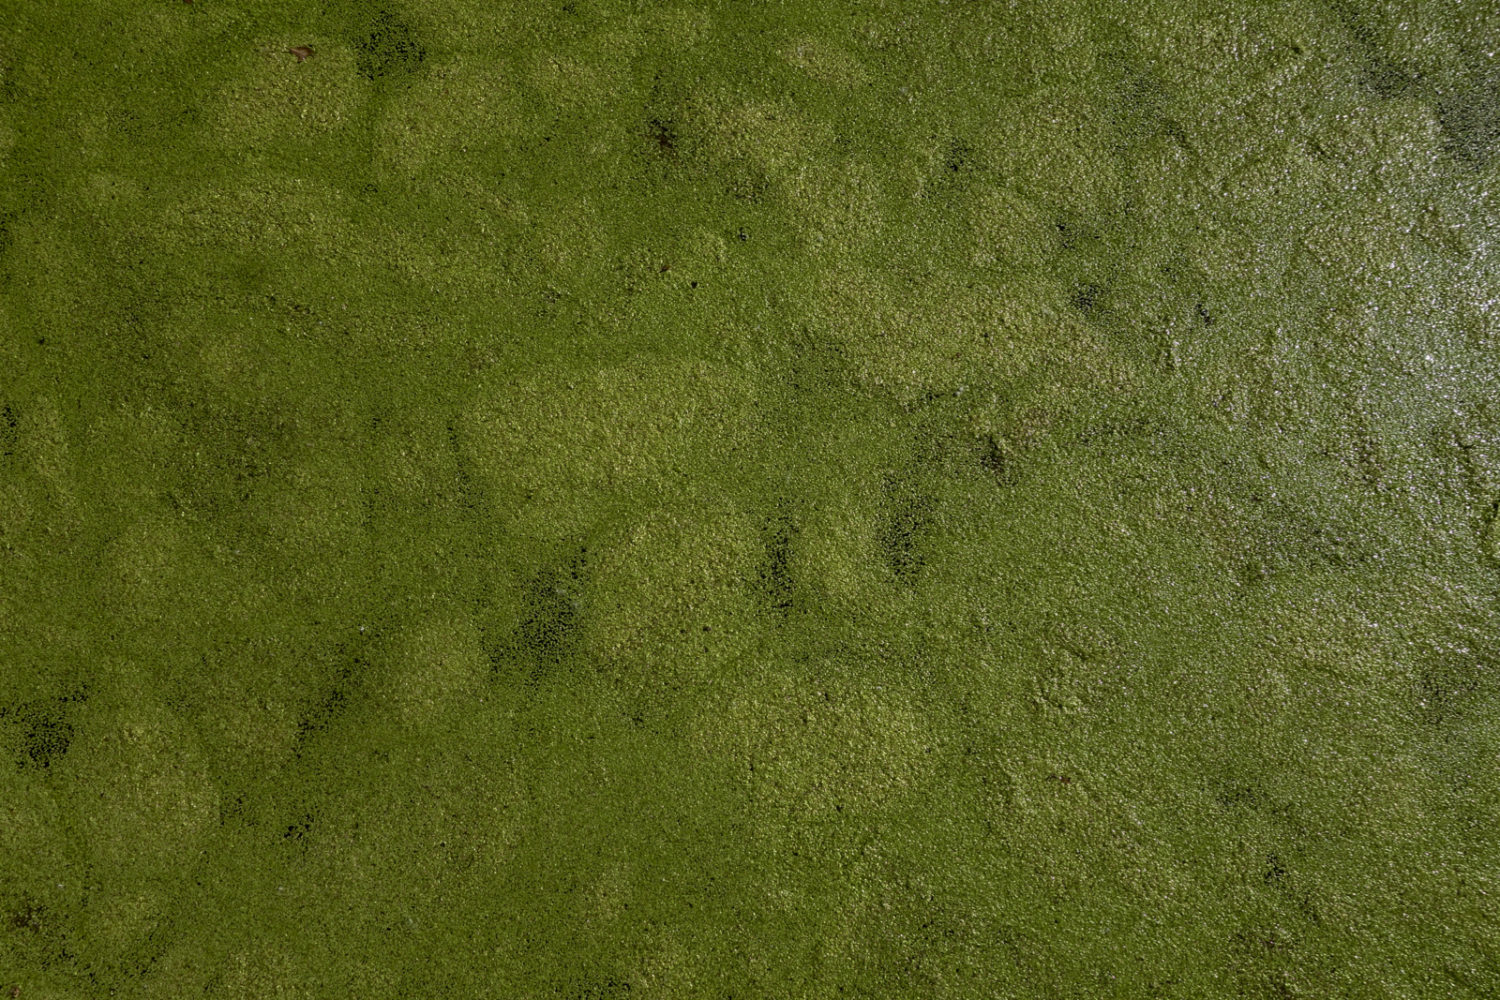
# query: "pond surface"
589,499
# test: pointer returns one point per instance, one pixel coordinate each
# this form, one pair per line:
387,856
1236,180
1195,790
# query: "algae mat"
597,499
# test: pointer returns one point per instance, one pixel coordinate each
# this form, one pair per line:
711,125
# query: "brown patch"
1065,779
302,52
28,917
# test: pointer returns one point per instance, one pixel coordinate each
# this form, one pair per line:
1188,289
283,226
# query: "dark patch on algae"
702,500
388,48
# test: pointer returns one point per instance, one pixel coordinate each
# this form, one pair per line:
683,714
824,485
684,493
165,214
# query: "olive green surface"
729,500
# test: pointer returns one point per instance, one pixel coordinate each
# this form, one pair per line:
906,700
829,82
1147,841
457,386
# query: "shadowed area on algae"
895,499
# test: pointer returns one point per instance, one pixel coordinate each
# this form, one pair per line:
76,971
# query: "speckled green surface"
786,500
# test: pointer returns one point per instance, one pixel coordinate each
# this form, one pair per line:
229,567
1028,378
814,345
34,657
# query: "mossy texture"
599,499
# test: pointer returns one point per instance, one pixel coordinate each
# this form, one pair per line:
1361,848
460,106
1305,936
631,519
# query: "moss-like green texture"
594,499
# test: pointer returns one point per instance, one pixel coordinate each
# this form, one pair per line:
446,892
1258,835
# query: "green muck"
591,499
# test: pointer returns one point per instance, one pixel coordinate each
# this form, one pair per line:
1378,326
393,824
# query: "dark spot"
1384,78
959,166
28,915
321,715
1376,71
774,577
1204,314
1242,796
1446,685
552,607
297,831
1085,298
1275,872
1470,118
552,618
1140,102
341,680
46,737
232,809
663,136
389,49
901,531
10,435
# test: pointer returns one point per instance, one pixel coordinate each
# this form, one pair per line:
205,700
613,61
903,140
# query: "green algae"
716,500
